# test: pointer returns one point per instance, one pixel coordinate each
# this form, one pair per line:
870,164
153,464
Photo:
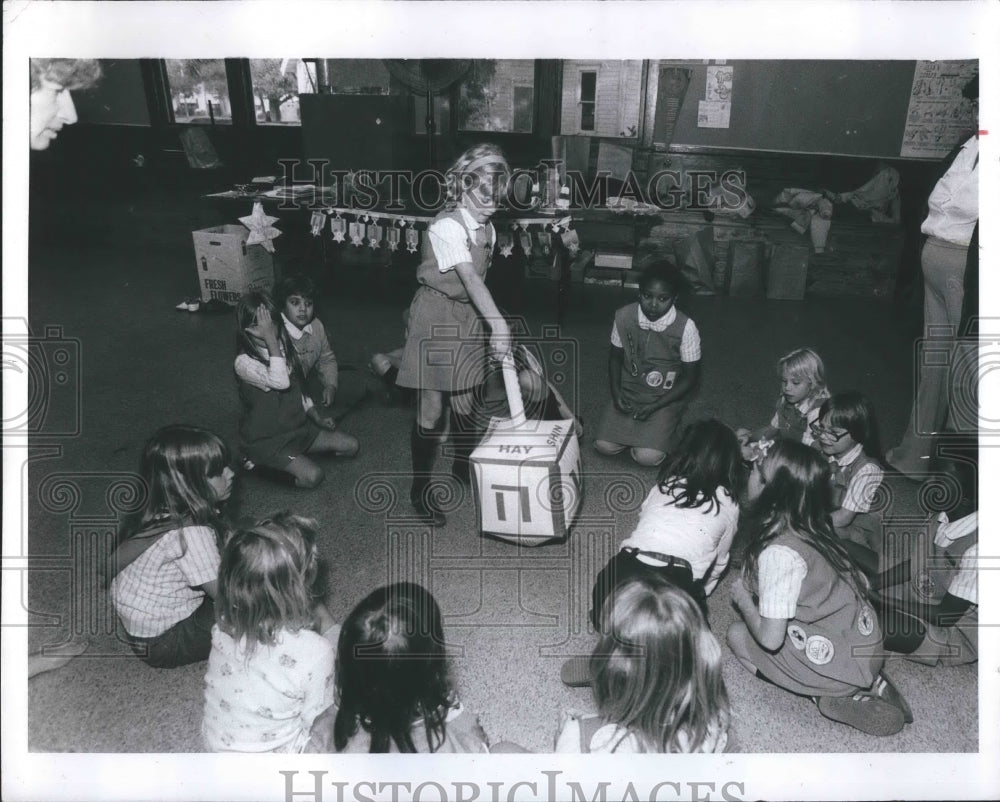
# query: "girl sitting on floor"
164,571
806,624
803,391
847,434
270,672
394,693
280,425
653,365
657,677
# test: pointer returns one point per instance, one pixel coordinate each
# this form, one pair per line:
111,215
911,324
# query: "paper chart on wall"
938,117
718,83
713,113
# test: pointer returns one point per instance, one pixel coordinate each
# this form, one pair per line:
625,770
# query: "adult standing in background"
52,108
953,212
52,80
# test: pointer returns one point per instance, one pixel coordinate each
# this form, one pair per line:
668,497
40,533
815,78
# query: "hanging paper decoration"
505,241
261,229
545,240
525,239
338,227
563,202
374,236
316,223
357,234
412,240
392,237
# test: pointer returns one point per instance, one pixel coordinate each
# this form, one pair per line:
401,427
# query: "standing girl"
394,693
847,433
444,358
807,626
654,363
657,677
270,672
164,571
803,391
280,425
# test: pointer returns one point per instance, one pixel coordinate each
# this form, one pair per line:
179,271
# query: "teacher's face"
51,108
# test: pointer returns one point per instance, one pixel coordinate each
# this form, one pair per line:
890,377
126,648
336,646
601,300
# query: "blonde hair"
657,670
484,159
805,364
266,580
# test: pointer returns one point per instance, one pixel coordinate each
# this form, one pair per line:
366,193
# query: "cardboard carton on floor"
228,267
526,475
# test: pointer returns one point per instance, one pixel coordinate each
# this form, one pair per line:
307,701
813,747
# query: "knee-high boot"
423,449
466,432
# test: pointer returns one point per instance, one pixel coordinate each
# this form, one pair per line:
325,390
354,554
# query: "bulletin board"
852,108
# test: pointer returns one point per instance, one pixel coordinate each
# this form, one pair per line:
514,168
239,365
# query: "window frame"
582,70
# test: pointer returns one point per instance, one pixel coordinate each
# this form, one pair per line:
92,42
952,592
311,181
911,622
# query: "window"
198,91
588,100
602,98
277,84
498,95
355,76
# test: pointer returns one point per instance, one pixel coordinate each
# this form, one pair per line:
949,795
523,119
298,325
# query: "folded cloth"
950,532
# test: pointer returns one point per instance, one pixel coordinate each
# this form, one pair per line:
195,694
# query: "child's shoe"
575,672
867,711
886,690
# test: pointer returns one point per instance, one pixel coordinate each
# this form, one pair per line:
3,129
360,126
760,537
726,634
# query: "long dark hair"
796,500
707,458
246,316
392,670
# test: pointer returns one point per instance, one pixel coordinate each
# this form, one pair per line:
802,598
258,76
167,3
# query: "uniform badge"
866,620
797,636
654,378
819,649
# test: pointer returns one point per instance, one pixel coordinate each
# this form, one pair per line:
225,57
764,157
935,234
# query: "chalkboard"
853,108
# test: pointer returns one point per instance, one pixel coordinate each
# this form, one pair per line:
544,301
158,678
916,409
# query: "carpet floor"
108,283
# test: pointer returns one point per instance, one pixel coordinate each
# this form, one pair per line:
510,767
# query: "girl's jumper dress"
445,341
792,420
274,427
866,528
652,362
833,641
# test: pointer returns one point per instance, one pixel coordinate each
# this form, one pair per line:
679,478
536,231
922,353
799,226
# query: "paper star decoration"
261,230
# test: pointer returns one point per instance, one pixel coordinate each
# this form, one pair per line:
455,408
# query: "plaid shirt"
162,587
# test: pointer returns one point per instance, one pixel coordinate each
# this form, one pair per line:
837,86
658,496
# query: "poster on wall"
713,111
938,117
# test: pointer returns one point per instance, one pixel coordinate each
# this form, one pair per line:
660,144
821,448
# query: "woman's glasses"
822,433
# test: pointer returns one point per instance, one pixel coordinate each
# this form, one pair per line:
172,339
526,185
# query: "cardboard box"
527,480
227,267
